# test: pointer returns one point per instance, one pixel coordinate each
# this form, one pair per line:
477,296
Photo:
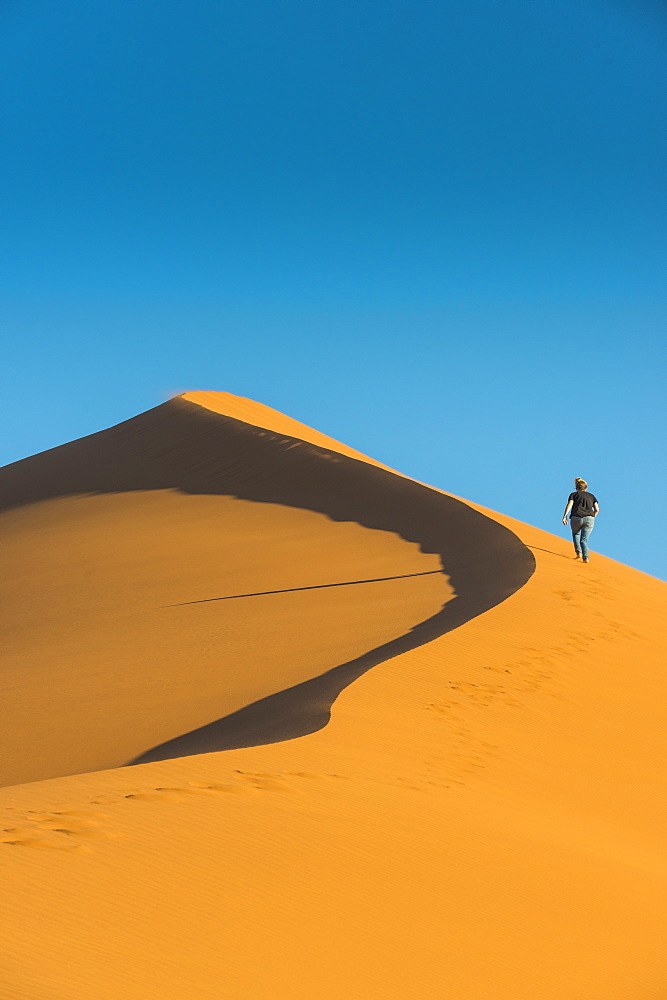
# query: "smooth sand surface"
125,631
483,816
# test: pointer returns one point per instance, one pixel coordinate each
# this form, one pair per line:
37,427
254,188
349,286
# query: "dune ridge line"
185,445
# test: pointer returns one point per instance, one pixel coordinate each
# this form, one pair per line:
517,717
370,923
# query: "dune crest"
165,570
483,816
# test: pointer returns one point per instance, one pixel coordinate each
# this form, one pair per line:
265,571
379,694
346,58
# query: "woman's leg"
586,528
575,524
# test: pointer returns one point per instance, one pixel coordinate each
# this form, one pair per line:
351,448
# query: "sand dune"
184,566
396,744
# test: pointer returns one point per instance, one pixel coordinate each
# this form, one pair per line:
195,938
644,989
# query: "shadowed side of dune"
296,711
181,445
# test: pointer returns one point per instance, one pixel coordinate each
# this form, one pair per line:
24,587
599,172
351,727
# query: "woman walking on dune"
583,508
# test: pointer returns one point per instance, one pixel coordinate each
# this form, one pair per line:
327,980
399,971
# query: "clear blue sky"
434,229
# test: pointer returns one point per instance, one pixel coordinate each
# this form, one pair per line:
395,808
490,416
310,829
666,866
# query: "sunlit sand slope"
163,579
483,816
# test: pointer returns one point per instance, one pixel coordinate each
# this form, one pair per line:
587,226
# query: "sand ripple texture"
284,723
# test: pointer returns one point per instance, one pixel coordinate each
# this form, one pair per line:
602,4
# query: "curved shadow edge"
485,571
298,710
184,446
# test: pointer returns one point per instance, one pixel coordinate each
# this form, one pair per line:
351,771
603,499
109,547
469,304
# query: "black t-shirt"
582,504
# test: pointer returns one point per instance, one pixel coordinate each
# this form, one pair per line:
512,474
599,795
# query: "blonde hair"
581,484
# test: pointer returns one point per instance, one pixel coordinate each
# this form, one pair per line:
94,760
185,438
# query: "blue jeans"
581,529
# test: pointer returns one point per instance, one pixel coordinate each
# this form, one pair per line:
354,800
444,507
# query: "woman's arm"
596,509
567,510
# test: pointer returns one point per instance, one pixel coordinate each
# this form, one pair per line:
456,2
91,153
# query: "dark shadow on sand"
560,555
296,711
295,590
180,445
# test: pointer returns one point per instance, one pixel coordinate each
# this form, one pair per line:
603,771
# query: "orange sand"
483,816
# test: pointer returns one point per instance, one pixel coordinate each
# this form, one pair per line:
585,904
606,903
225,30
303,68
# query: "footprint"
179,794
25,837
566,595
57,830
42,845
233,789
263,780
247,782
155,796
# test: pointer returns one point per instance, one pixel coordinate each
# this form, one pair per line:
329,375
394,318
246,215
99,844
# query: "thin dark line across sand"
317,586
184,446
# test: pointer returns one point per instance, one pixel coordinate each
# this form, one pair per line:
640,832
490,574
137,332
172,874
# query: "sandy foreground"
390,744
